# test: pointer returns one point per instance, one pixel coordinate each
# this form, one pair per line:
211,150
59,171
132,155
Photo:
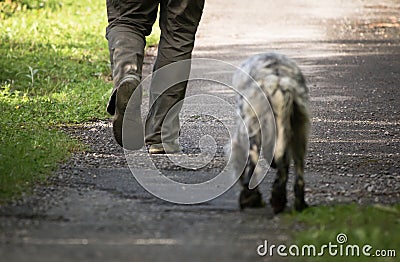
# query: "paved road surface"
94,210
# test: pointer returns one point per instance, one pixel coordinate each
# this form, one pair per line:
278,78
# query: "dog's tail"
282,103
289,102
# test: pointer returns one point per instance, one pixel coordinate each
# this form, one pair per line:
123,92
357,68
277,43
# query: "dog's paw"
300,205
250,198
278,202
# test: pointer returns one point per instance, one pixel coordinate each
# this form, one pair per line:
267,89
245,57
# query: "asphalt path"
93,208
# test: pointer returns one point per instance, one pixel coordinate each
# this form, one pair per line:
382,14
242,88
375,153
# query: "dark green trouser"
129,23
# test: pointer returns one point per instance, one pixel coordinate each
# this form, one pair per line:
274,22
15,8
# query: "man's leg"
129,23
179,20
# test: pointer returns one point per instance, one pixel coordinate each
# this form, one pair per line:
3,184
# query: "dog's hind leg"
278,195
282,102
251,197
299,202
300,124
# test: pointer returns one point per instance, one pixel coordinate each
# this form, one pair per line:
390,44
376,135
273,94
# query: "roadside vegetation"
54,71
376,226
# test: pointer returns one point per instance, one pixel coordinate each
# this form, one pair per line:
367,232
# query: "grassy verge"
54,70
377,226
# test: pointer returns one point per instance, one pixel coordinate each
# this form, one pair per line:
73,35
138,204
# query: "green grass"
9,8
377,225
54,71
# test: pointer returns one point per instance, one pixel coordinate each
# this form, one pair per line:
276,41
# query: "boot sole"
134,121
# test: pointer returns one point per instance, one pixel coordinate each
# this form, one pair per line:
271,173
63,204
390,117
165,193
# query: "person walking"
129,22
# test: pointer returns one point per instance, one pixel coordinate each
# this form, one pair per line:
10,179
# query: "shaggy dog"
280,127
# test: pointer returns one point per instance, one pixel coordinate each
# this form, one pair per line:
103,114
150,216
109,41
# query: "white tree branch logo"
217,77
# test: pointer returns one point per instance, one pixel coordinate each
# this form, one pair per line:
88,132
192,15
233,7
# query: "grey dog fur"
276,125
